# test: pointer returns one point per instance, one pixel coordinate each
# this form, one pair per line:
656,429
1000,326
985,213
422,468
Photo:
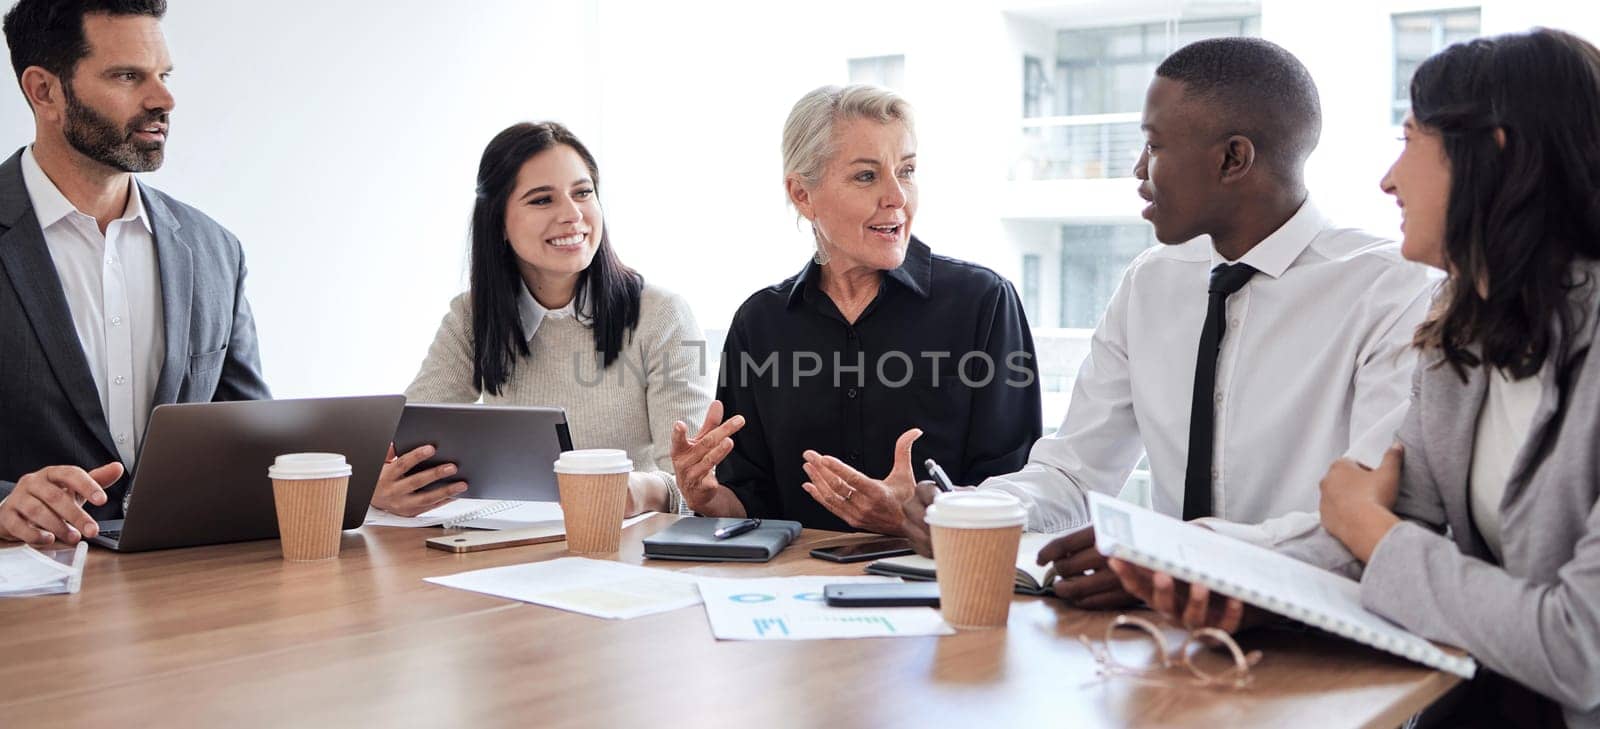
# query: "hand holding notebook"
1258,576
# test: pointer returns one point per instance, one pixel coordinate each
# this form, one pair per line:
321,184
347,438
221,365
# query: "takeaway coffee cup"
975,539
594,496
309,491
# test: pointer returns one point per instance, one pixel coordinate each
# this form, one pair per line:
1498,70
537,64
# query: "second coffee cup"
975,539
594,497
308,491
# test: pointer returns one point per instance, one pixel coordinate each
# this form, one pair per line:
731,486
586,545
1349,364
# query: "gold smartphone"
478,541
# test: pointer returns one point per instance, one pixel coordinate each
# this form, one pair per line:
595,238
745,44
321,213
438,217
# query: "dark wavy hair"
607,290
1521,215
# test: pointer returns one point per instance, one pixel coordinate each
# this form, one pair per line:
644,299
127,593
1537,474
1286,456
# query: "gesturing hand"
47,505
864,503
695,459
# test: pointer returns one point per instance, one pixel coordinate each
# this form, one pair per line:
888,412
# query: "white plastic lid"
594,460
308,466
981,509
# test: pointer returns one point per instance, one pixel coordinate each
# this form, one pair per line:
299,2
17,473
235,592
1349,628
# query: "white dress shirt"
113,288
1315,364
1503,426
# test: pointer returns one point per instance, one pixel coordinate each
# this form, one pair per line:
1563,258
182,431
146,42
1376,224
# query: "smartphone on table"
882,594
865,551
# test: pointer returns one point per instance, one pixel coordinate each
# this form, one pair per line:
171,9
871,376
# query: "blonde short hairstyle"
808,134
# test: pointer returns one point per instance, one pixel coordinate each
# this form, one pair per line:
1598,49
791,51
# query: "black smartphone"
882,594
864,551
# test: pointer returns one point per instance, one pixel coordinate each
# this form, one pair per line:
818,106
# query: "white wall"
339,140
340,144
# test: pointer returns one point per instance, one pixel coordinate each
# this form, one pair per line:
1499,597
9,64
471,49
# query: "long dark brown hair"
607,290
1520,215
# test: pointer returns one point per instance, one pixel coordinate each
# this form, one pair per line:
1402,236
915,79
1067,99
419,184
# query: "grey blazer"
50,411
1535,617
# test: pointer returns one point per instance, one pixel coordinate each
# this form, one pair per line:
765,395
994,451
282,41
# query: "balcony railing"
1087,146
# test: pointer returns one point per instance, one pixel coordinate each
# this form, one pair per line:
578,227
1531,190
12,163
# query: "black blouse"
944,347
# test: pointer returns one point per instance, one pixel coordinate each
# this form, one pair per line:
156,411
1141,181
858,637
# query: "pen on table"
940,478
734,530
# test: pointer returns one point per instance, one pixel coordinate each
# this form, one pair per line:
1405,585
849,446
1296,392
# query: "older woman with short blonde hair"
875,347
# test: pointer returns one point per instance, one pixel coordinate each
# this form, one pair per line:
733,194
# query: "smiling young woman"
554,318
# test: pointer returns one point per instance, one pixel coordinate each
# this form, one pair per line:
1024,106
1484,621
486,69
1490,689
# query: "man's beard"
103,141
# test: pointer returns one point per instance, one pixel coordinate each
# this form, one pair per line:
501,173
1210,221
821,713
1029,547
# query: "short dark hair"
1520,215
608,290
1259,90
49,33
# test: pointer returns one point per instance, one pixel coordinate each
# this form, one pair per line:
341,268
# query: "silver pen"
940,478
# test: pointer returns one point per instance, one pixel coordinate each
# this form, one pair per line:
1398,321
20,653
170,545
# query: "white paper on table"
25,571
792,608
581,585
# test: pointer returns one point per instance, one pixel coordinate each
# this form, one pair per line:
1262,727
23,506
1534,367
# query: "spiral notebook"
1258,576
483,514
454,513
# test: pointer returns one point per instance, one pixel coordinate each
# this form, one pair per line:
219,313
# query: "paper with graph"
792,608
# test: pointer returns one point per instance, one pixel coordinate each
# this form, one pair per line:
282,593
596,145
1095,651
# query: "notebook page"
448,511
1028,554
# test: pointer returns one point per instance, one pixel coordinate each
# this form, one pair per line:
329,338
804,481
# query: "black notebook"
690,538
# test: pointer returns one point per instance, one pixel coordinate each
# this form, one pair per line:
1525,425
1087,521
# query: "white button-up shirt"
113,288
1315,364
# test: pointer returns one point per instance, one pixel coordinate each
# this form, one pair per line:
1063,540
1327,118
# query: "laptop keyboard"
111,533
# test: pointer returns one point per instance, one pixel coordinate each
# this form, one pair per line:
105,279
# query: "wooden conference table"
232,635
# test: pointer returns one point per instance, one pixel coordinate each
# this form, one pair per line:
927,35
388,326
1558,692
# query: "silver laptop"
202,469
501,452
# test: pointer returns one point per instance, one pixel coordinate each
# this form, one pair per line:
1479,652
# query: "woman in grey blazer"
1481,527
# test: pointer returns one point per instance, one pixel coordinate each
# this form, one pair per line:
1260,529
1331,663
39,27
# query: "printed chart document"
581,585
25,571
1258,576
792,608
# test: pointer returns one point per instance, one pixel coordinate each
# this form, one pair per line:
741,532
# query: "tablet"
501,452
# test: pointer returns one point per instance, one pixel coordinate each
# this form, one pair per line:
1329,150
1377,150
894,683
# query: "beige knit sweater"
659,378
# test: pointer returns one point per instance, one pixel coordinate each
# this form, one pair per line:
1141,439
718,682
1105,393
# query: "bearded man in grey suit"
114,298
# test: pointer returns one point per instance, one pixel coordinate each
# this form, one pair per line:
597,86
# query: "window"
1419,35
1093,258
1030,287
1036,92
1083,122
886,71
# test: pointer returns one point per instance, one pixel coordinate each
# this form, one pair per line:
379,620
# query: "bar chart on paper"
865,626
792,608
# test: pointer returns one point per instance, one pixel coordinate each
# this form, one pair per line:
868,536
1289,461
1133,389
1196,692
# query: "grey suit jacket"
1535,616
50,411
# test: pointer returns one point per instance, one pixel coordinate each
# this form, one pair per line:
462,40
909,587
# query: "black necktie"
1225,279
